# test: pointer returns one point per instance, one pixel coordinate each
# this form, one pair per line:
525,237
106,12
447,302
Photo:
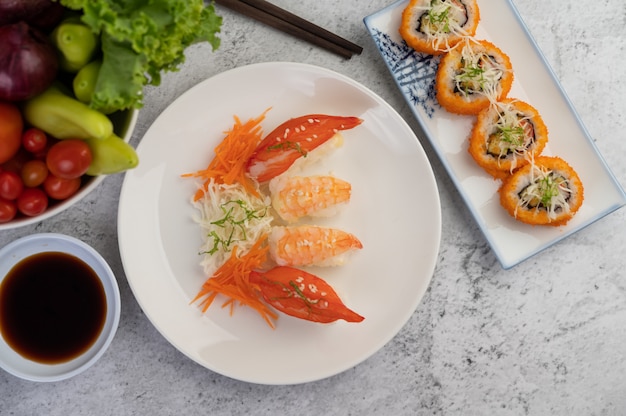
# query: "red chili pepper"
302,295
293,139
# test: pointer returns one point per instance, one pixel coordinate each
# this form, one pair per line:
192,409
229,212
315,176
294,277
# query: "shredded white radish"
229,216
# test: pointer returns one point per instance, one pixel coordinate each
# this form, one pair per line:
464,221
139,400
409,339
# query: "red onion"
42,14
28,62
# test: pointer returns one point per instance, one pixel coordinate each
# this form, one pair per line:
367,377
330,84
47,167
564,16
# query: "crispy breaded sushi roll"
506,136
545,192
435,26
473,75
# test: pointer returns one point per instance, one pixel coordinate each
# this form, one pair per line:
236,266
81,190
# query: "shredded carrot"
232,280
231,155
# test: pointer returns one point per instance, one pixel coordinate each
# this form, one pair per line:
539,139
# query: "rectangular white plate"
535,83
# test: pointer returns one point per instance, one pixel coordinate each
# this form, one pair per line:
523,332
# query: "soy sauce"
52,307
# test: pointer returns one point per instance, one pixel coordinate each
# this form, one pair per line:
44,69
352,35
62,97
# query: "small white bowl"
24,247
123,125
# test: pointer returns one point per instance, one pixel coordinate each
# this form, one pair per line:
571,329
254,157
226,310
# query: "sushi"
472,76
292,141
435,26
309,245
545,192
302,295
295,197
506,136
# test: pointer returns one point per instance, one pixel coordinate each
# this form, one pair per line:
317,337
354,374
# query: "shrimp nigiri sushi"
507,136
545,192
295,197
436,26
472,76
309,245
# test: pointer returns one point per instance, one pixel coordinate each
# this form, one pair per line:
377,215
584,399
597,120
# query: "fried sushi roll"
545,192
473,75
435,26
506,136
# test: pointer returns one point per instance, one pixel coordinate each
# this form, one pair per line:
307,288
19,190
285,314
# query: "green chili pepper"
111,155
64,117
85,81
76,43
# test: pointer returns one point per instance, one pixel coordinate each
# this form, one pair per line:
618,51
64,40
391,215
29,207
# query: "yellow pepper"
76,43
111,155
84,82
64,117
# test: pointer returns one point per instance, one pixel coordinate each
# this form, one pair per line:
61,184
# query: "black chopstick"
288,22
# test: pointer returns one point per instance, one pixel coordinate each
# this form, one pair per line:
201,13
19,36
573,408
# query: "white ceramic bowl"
123,125
24,247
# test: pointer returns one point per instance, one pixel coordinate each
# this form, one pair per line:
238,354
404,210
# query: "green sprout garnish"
512,135
470,76
233,222
293,291
439,19
548,188
307,301
287,145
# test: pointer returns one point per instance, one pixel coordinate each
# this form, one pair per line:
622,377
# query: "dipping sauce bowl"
59,307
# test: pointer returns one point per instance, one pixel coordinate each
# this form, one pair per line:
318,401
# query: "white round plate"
394,211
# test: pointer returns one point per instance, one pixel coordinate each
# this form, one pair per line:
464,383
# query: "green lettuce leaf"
140,40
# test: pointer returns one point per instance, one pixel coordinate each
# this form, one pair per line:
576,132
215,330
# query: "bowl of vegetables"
72,74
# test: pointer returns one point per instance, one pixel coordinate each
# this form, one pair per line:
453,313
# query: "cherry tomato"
59,188
16,162
69,158
43,153
8,210
11,125
11,185
34,172
34,140
32,202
